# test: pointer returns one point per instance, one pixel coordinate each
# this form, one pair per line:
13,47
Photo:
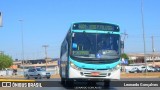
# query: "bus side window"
63,48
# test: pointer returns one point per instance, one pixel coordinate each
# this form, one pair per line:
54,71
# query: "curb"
11,80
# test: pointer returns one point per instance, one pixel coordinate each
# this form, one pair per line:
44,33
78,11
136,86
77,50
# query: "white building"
138,58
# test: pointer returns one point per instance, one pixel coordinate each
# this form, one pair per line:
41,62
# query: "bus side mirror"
122,44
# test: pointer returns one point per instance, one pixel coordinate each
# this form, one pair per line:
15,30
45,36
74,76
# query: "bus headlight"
116,68
74,66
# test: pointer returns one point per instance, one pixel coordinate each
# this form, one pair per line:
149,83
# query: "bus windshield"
95,45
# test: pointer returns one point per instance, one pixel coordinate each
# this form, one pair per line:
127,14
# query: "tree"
5,61
125,56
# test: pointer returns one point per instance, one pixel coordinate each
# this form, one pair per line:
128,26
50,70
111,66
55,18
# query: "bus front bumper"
94,74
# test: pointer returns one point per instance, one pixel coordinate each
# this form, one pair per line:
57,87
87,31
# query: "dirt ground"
55,76
141,75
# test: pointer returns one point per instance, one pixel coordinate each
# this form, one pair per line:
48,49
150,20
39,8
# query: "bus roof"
94,22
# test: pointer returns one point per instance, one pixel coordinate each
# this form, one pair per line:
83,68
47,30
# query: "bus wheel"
107,83
62,81
69,83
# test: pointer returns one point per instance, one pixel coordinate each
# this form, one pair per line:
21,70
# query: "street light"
22,41
143,36
1,19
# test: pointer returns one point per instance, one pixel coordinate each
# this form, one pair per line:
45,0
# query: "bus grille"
88,74
93,69
102,69
88,68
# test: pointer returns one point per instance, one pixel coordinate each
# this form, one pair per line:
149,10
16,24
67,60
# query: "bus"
90,52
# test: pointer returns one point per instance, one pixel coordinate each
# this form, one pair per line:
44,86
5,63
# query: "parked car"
134,70
37,73
149,69
157,69
152,69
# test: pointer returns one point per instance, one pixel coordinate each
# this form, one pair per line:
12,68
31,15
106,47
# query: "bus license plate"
95,73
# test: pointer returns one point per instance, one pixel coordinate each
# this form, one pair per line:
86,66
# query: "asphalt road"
99,86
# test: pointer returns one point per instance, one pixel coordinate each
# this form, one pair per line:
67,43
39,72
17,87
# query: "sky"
46,22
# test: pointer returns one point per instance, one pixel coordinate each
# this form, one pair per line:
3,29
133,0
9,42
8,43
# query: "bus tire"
107,83
69,83
62,81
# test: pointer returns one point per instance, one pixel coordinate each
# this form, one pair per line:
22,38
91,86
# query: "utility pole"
122,49
153,50
46,56
144,42
124,37
22,42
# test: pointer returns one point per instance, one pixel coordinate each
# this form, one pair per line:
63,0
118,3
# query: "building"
138,58
36,63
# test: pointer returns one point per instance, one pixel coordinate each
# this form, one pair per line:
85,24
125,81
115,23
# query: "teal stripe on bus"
95,66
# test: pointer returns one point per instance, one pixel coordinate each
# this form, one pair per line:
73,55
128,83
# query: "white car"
133,70
37,73
151,69
143,69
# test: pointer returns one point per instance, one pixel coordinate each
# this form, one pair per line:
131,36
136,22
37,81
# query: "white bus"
90,52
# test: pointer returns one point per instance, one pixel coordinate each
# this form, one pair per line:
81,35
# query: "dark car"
157,69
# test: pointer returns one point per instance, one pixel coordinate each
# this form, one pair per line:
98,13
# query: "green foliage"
5,61
125,56
130,62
